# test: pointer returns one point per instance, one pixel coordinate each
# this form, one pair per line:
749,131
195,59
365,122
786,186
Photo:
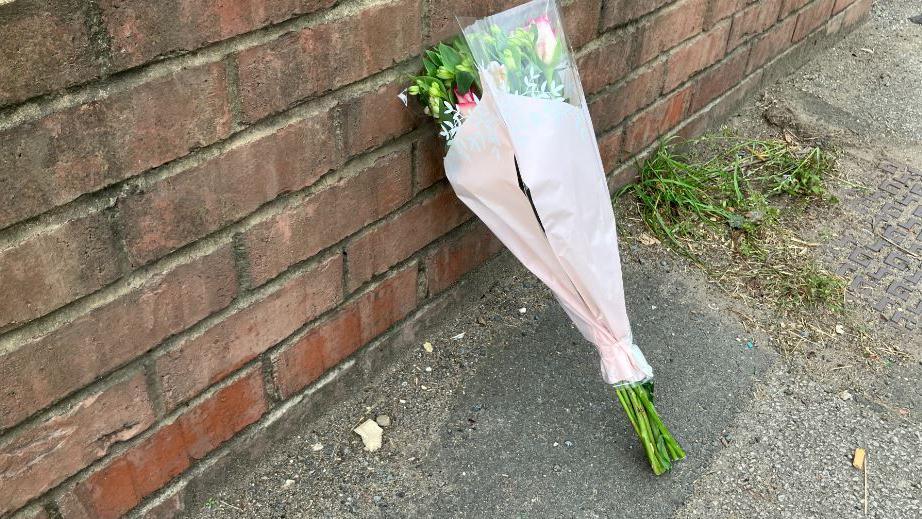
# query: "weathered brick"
376,116
397,238
753,20
721,9
357,323
771,44
656,120
699,123
49,367
619,12
38,39
671,26
167,506
55,159
616,104
328,55
119,486
841,5
447,264
430,168
835,24
327,216
789,6
857,12
43,454
107,494
191,204
697,54
812,17
610,149
197,362
141,30
580,21
442,15
719,79
33,512
216,419
51,269
608,62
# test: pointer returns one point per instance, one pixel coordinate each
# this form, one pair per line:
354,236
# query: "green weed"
720,192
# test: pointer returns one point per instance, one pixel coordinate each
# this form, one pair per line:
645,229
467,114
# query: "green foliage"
741,192
731,188
445,67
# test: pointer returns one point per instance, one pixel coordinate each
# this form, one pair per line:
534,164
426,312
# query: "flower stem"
659,444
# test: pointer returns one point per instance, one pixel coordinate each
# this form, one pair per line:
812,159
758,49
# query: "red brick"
812,17
38,39
447,264
45,453
328,55
841,5
610,148
197,362
614,105
754,20
141,30
771,44
49,367
620,12
717,113
124,482
55,159
719,79
655,121
327,216
835,24
442,15
51,269
580,19
376,117
397,238
357,323
856,13
671,26
107,494
721,9
789,6
430,167
696,55
215,420
191,204
608,62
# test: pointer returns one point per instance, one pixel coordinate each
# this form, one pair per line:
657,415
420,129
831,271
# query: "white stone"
371,434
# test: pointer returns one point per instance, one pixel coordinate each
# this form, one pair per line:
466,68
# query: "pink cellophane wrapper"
553,144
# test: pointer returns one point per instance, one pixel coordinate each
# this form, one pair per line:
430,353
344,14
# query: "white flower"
498,72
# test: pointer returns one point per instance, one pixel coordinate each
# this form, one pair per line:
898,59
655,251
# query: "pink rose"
466,102
547,39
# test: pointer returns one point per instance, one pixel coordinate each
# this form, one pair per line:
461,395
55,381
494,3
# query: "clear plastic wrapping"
526,162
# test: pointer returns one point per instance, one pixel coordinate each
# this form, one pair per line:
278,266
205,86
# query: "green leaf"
450,57
434,57
429,66
464,80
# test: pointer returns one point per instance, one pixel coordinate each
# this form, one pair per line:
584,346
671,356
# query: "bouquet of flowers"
522,155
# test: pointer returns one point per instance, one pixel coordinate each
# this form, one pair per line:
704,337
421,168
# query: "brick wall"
204,210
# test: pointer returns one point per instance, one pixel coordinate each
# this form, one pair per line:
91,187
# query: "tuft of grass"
728,204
